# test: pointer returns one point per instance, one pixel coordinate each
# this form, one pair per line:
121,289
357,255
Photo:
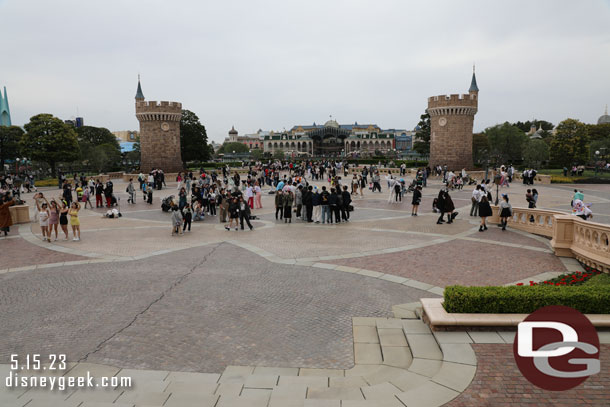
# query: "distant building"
5,113
603,119
215,145
75,122
127,135
252,141
333,139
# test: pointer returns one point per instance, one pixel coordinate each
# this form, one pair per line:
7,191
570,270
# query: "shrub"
588,299
599,280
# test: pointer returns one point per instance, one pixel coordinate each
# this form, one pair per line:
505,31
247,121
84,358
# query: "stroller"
114,200
166,203
412,185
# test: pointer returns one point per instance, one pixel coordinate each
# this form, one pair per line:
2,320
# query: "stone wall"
451,122
159,135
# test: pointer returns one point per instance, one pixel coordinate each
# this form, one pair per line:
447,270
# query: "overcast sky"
276,63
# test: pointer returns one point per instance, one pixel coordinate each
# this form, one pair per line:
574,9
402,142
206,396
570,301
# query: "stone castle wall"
159,135
451,123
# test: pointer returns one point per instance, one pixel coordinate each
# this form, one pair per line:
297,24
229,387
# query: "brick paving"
17,252
496,234
499,383
193,311
462,262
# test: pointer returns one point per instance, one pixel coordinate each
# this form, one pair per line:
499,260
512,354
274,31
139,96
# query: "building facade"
159,133
252,141
127,135
332,140
451,123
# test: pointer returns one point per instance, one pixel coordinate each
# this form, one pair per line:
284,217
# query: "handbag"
350,208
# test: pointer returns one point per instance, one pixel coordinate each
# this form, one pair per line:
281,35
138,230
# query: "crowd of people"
232,196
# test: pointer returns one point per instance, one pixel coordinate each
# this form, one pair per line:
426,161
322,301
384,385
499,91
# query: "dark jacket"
346,198
416,197
333,199
279,200
316,199
307,198
324,198
246,210
448,203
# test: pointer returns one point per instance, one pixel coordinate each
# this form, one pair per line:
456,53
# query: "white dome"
332,123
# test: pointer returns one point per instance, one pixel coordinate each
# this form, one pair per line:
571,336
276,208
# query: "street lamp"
17,165
596,160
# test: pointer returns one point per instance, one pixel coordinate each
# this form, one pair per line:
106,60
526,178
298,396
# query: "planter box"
20,213
436,316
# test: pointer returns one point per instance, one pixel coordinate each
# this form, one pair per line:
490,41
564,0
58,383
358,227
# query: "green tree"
133,156
422,145
278,154
229,147
480,148
49,140
193,139
603,146
526,126
535,153
257,154
96,136
9,143
598,131
99,148
570,145
506,143
105,158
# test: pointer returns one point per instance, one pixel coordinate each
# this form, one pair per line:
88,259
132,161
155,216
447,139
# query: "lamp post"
596,160
17,166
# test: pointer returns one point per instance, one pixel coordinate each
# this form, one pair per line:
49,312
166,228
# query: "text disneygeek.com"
16,380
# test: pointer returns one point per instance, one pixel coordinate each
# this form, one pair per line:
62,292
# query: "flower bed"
569,279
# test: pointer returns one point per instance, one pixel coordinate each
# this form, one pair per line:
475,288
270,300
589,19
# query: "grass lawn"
557,176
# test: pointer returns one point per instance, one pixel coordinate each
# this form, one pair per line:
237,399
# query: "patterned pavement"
130,295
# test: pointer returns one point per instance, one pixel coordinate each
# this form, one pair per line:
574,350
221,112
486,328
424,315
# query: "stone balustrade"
571,236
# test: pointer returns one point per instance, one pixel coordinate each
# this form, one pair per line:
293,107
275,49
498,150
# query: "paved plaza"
296,314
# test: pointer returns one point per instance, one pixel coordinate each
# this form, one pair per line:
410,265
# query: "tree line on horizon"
47,140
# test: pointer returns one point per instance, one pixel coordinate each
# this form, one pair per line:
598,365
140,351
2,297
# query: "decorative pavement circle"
287,314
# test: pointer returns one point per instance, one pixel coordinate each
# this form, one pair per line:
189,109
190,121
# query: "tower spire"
473,82
5,113
139,94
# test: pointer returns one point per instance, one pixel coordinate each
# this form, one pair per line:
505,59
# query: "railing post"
563,235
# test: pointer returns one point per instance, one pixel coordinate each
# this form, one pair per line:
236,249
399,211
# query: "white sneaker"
74,239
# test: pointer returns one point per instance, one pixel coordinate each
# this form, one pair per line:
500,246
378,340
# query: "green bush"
599,280
588,299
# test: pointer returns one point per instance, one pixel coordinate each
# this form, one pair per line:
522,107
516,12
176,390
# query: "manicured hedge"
589,299
599,280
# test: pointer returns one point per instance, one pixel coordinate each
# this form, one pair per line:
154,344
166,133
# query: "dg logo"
557,348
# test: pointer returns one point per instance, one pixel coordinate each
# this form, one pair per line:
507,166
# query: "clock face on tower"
442,121
165,126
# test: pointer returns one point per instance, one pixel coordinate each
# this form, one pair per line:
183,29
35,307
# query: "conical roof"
473,83
139,94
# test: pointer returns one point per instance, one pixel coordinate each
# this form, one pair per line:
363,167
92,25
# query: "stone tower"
159,134
451,122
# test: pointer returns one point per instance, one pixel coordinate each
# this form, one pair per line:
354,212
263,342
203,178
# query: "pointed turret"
473,82
5,113
139,94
